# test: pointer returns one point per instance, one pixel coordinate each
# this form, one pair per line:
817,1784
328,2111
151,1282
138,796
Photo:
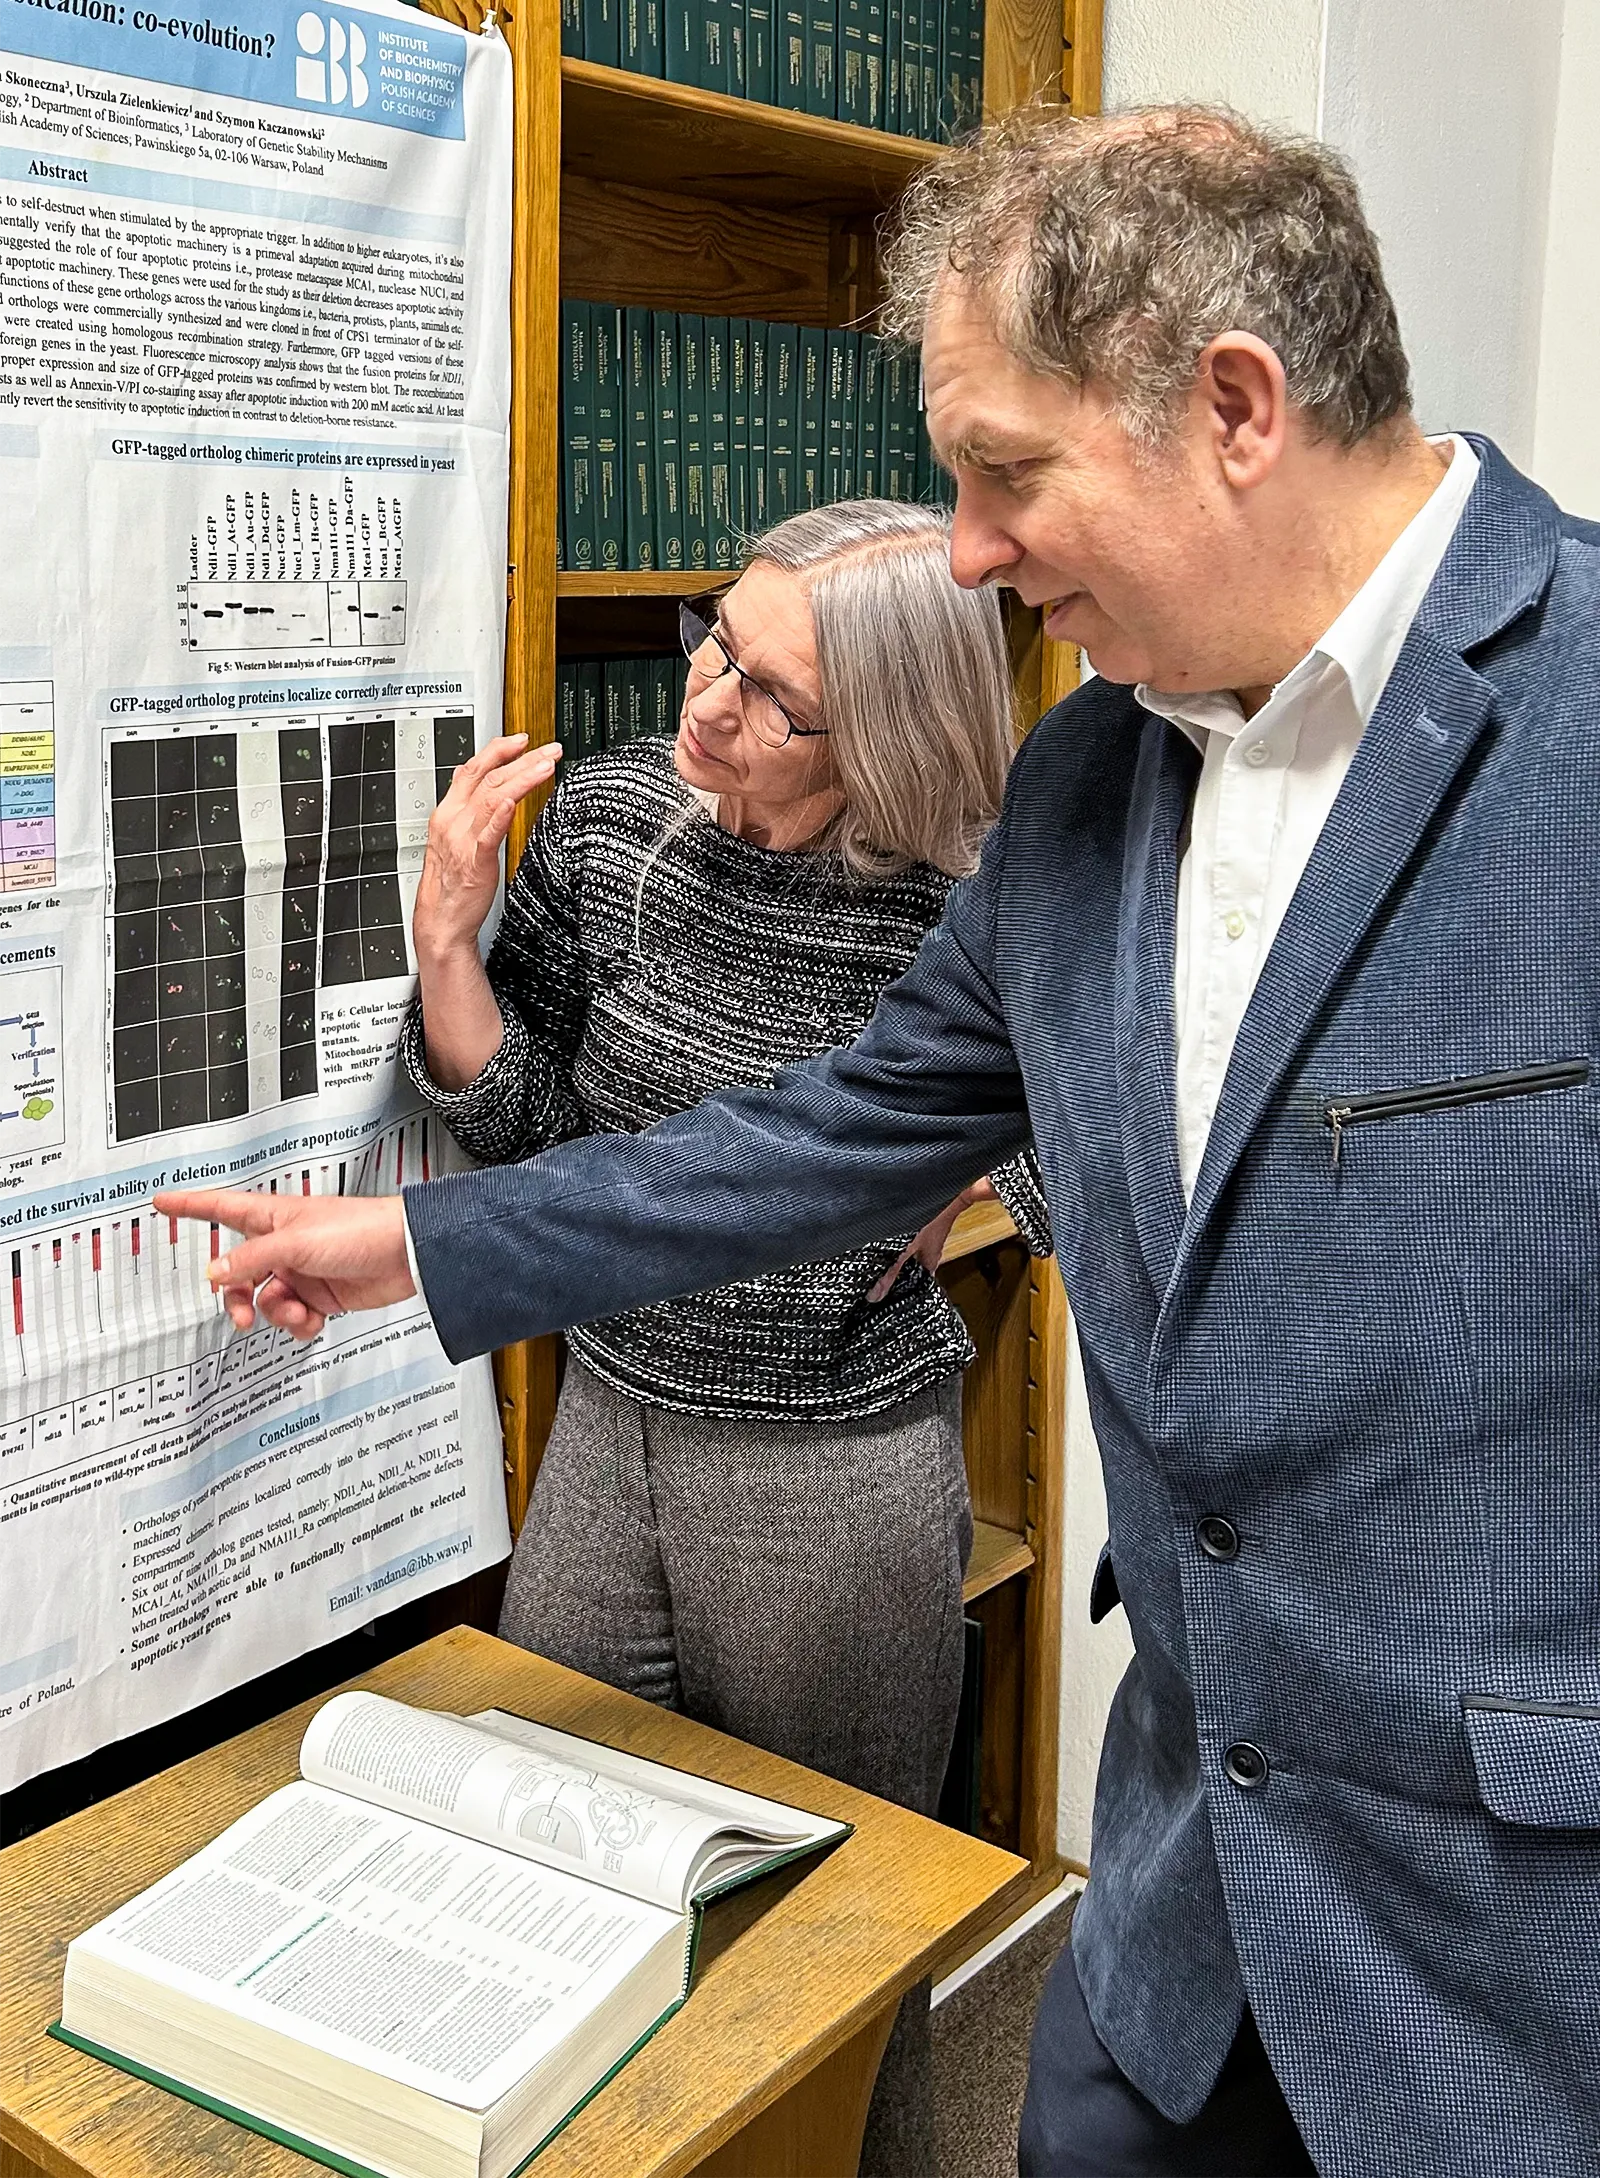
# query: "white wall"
1566,439
1474,130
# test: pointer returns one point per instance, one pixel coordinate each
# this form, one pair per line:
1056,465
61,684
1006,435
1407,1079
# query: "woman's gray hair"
915,678
1115,248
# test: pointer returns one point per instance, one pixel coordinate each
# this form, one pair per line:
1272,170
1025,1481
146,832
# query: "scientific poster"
254,384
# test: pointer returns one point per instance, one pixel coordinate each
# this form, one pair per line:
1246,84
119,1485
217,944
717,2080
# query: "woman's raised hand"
461,868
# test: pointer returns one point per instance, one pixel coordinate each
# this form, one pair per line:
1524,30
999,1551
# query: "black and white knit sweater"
646,958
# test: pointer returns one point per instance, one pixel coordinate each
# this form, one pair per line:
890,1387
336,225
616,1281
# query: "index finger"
232,1207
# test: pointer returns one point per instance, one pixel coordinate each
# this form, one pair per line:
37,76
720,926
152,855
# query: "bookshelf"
634,190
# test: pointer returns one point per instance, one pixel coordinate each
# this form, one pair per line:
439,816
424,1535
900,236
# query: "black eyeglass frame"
695,631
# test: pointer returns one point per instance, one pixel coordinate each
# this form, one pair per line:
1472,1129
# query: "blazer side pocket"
1536,1762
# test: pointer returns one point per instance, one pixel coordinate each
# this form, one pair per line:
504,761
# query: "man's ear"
1243,405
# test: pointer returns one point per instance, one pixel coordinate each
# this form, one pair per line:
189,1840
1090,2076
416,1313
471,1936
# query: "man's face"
1127,556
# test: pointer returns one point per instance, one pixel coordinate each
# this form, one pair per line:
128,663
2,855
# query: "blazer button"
1245,1765
1218,1538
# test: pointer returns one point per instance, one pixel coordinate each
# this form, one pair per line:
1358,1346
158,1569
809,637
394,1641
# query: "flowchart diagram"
31,1115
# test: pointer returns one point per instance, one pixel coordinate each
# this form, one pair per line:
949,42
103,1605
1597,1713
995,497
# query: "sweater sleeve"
524,1100
1020,1188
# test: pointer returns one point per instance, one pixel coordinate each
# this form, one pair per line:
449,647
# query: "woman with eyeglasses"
753,1506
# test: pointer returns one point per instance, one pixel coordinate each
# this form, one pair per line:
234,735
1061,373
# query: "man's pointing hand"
304,1258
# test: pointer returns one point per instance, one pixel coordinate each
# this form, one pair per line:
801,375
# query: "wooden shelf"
644,582
979,1227
998,1554
618,127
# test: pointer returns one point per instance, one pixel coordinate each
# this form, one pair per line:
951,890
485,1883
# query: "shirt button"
1257,753
1245,1765
1234,925
1218,1538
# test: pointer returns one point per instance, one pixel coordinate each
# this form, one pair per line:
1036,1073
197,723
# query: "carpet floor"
981,2033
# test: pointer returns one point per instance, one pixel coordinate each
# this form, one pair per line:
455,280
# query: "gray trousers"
797,1585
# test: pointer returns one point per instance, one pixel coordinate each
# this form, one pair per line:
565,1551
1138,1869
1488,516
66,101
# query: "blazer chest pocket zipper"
1442,1096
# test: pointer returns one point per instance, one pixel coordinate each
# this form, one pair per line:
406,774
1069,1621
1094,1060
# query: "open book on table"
423,1957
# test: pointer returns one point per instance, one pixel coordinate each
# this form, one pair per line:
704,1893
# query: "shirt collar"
1363,643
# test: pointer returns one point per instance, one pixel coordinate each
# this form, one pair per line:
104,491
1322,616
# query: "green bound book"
602,34
910,66
669,441
590,710
411,1880
810,474
577,436
952,66
759,48
849,487
894,483
613,703
853,61
736,49
567,709
892,14
605,334
973,105
872,63
756,494
738,434
932,12
692,396
681,40
643,49
713,16
639,475
783,420
927,470
719,445
572,28
822,57
634,685
664,696
869,418
790,68
834,486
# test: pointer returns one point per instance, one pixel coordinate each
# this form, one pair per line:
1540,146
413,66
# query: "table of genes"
27,785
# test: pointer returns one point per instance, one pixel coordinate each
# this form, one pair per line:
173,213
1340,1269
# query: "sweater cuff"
1019,1187
482,1116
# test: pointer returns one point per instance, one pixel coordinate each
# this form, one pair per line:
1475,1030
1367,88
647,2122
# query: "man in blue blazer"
1283,952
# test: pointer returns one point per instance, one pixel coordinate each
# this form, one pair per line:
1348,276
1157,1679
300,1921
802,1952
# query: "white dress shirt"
1265,789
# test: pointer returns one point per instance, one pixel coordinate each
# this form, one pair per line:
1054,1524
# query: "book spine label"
682,57
692,395
614,703
952,67
849,487
790,16
572,28
974,90
577,433
639,404
669,442
869,419
567,708
809,473
609,518
833,469
757,493
758,51
719,487
602,39
783,420
910,67
738,435
893,16
853,61
637,678
822,56
590,696
872,64
641,36
931,12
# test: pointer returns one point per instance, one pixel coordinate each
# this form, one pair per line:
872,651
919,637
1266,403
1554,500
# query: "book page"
438,1962
556,1799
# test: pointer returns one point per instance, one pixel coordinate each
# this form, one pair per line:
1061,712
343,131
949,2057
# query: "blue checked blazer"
1348,1404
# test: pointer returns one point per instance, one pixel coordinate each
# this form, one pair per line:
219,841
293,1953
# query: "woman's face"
726,730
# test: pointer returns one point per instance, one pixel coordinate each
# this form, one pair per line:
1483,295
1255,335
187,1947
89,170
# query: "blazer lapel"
1144,1033
1427,722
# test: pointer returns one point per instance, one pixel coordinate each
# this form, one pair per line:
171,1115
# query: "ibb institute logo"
328,71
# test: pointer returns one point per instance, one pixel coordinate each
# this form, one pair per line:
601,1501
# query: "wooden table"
765,2073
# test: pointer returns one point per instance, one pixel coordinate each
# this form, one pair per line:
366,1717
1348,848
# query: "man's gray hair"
915,678
1113,250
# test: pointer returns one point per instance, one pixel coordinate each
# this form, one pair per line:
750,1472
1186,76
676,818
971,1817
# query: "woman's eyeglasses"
710,658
